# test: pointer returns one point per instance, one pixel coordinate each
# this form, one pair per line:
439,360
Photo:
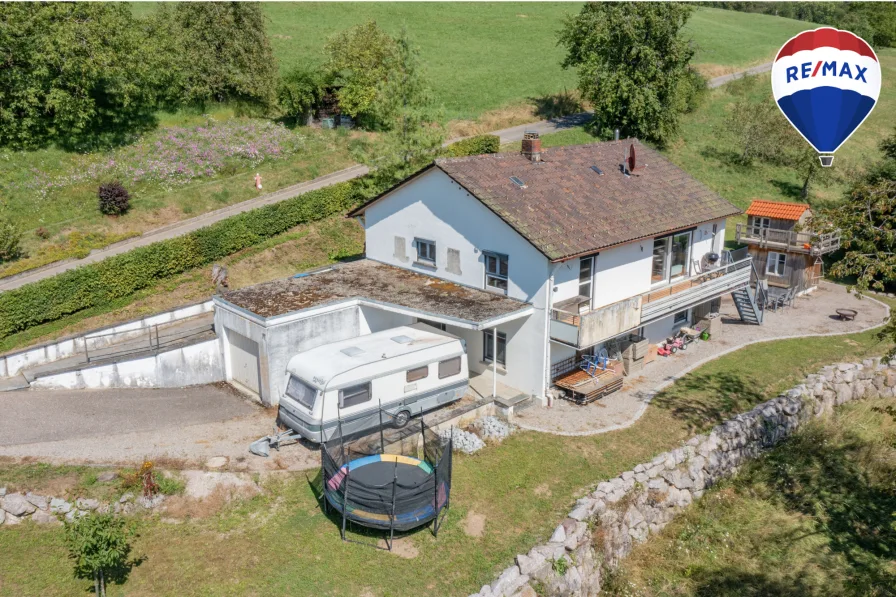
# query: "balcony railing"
788,240
587,329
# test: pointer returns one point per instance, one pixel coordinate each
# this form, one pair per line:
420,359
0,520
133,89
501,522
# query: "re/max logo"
805,70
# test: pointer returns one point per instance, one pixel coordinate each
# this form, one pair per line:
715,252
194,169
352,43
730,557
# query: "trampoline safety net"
390,479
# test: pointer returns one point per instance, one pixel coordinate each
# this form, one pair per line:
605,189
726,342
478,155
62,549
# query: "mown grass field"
497,63
812,518
281,543
706,150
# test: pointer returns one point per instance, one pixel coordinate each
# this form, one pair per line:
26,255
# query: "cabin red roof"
776,209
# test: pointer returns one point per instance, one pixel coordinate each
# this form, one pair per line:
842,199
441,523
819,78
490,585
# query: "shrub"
114,198
42,233
299,92
474,146
10,240
99,545
119,276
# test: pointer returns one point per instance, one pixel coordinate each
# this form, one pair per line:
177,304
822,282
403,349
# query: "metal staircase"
750,299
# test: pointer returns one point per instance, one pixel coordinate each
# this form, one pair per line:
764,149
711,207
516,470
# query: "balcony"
572,326
788,240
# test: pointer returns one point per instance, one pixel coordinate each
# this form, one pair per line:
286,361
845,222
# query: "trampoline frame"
439,508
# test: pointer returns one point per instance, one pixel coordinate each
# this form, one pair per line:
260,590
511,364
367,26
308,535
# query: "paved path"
182,227
719,81
508,135
810,316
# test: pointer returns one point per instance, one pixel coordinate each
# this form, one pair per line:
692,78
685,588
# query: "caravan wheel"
401,419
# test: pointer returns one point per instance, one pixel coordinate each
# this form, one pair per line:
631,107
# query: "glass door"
671,258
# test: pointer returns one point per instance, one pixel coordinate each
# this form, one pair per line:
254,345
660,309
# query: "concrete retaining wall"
618,514
11,364
192,365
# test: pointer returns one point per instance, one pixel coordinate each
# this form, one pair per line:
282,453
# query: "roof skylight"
351,351
518,182
598,170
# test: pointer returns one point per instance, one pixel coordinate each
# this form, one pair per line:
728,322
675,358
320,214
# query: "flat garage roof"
376,282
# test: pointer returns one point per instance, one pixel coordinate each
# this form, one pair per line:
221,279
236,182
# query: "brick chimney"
531,146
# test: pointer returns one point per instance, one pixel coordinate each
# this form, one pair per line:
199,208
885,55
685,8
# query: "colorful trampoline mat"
372,477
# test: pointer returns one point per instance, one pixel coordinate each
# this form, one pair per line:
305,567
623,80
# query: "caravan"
404,371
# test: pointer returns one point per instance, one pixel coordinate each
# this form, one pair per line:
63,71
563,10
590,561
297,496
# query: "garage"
244,367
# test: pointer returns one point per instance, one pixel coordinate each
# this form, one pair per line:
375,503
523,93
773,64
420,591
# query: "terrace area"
582,329
811,315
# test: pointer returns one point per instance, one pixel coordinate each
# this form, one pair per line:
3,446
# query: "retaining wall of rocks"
605,525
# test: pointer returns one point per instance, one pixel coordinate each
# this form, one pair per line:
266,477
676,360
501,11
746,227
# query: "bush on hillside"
10,240
299,93
114,198
474,146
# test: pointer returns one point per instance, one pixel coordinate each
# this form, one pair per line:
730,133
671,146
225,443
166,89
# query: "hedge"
121,275
100,283
474,146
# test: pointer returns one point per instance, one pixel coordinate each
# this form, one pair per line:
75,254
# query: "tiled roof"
776,209
568,209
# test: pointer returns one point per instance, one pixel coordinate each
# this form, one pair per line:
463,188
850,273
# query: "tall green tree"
633,65
76,74
99,545
359,60
405,107
219,52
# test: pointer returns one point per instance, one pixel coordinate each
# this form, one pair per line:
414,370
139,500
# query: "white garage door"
244,361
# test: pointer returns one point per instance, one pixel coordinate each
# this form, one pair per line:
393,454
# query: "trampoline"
393,492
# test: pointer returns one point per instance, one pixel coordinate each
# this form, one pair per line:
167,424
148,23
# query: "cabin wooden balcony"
572,324
788,240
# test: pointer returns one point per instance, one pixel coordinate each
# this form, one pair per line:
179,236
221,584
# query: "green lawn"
705,149
812,518
282,543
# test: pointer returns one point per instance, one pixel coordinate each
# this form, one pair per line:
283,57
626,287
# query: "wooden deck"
585,388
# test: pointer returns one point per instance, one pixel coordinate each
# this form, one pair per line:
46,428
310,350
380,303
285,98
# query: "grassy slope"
827,533
704,148
281,543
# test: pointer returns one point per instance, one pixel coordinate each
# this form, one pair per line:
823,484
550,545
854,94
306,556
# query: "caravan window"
418,373
449,367
301,392
354,395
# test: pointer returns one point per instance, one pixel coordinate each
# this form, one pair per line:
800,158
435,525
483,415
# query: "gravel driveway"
125,426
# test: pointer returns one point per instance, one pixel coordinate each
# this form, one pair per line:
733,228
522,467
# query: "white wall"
434,207
191,365
377,320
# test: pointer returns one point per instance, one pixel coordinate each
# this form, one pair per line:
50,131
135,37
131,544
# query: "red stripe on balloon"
826,37
817,66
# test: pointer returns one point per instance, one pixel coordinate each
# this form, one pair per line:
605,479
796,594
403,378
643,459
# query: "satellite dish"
631,158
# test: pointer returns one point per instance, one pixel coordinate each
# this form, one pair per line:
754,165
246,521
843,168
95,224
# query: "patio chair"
788,299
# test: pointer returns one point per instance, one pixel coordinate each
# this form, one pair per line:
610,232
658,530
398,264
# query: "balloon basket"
826,160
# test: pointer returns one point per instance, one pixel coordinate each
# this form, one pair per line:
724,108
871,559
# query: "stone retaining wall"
605,525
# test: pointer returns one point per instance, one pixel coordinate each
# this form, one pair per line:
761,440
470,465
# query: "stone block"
60,506
17,505
559,535
530,563
44,517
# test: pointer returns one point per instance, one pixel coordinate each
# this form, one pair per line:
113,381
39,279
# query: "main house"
533,258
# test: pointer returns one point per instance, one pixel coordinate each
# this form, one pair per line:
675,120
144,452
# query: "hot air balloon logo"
826,81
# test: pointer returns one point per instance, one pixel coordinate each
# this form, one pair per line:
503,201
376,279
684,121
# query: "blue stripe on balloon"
826,116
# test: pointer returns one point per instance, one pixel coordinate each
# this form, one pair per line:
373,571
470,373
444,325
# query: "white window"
671,256
495,271
301,392
354,395
426,251
488,347
759,224
775,264
680,318
449,367
586,276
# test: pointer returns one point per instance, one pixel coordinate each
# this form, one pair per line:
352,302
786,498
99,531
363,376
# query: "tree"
359,60
76,74
405,107
756,127
10,239
632,61
300,90
100,545
219,52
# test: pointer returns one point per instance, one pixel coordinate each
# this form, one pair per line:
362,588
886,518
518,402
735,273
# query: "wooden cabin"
785,251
